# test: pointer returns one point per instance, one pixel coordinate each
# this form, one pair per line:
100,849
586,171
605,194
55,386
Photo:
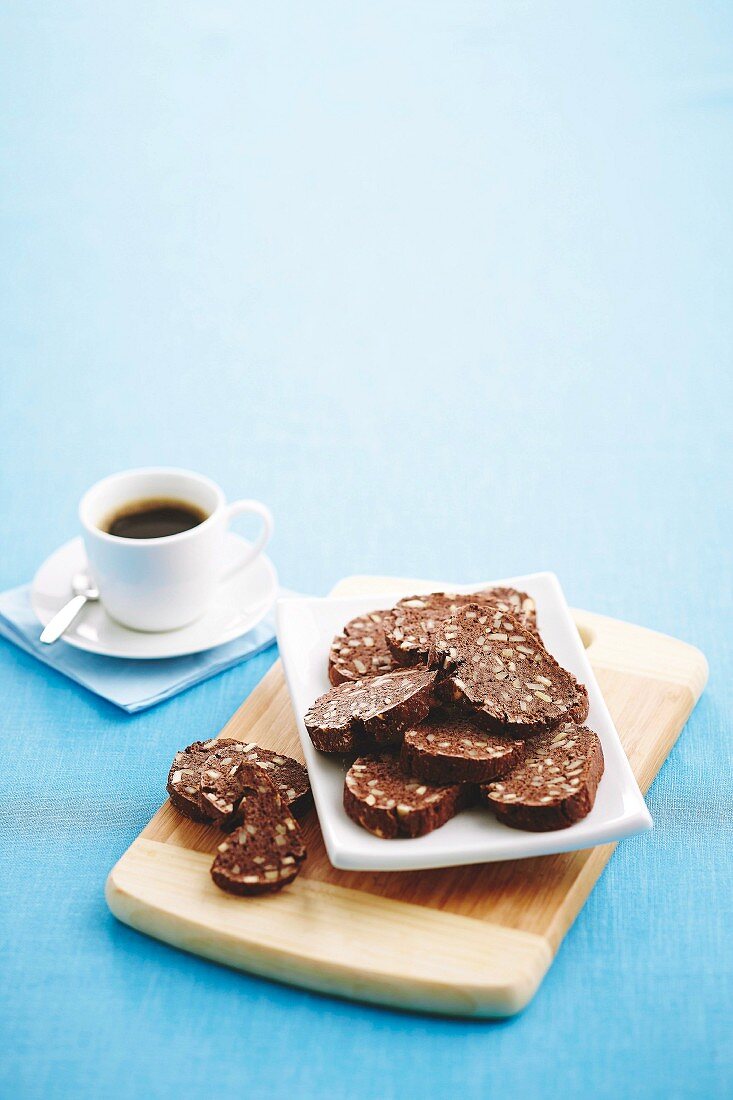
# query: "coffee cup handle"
254,507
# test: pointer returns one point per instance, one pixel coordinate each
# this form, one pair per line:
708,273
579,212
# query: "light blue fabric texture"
449,285
131,685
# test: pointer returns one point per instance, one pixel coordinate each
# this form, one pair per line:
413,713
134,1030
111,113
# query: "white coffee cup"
162,583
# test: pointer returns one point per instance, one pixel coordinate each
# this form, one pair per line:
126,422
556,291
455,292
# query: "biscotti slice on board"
384,801
410,625
450,748
220,757
499,672
184,779
360,650
365,714
554,786
266,851
289,776
225,776
223,779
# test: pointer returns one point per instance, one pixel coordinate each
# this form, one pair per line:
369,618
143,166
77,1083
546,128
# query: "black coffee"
154,519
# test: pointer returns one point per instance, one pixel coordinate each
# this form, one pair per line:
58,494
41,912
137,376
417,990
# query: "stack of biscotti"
451,700
252,794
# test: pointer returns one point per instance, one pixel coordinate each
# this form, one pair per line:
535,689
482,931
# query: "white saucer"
239,604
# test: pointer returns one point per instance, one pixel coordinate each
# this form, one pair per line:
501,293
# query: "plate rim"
182,651
343,857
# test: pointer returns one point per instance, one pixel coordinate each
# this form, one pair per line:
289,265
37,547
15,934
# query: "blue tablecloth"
449,286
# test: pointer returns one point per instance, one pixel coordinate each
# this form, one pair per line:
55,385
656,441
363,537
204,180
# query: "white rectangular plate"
305,628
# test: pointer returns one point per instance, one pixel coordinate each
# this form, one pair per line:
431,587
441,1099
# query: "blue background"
448,285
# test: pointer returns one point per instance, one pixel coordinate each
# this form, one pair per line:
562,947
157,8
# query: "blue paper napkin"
131,685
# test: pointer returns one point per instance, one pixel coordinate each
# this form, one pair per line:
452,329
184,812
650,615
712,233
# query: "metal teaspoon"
84,591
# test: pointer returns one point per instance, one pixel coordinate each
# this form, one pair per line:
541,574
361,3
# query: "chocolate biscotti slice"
220,756
517,603
554,786
499,672
410,625
289,776
450,748
224,776
266,851
356,716
184,779
384,801
360,650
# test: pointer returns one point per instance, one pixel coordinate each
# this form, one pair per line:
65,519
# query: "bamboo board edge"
324,938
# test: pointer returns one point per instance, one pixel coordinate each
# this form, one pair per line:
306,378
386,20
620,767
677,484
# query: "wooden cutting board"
467,941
